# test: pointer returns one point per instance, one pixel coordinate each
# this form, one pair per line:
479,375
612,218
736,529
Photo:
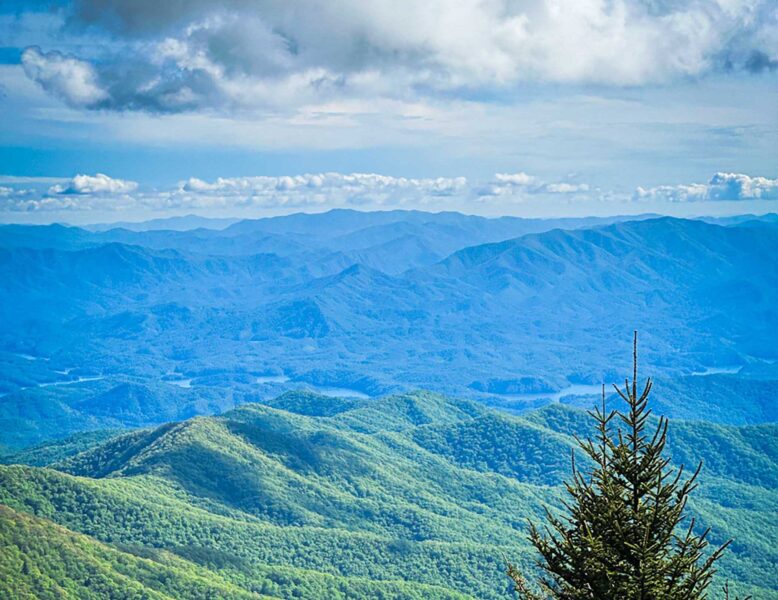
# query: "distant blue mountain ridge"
114,328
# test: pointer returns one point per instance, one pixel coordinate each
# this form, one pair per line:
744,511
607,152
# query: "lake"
578,389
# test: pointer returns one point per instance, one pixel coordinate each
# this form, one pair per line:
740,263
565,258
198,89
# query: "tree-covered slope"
42,560
394,494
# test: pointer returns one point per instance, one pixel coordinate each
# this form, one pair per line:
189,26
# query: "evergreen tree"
622,536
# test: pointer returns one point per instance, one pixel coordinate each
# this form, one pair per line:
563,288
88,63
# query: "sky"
136,109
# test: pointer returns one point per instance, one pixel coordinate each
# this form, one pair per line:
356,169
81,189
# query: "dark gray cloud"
182,55
758,62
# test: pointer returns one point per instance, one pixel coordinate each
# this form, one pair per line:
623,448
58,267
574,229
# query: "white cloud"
517,179
238,54
736,186
313,190
512,184
566,188
94,184
336,189
367,188
504,193
722,186
73,80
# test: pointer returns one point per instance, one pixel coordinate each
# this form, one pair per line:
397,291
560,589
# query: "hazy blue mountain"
45,236
741,219
182,223
517,323
336,231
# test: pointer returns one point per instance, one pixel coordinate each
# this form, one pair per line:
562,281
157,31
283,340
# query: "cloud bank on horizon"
600,105
235,196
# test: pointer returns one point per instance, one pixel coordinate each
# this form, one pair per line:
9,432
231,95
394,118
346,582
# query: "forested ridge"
408,496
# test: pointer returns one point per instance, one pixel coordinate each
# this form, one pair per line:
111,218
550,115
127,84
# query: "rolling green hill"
409,496
43,560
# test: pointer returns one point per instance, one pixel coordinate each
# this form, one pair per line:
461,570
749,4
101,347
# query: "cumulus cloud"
318,191
313,190
198,54
323,189
68,78
566,188
94,184
506,184
722,186
520,179
80,193
360,189
15,200
736,186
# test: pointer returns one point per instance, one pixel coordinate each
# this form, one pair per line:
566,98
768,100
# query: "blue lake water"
71,381
324,390
570,390
182,383
271,379
718,370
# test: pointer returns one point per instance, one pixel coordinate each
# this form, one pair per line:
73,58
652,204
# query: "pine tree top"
624,533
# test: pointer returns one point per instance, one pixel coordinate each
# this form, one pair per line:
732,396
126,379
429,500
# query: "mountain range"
233,410
119,328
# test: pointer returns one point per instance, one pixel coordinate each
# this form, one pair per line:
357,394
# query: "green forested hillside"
58,449
412,496
44,560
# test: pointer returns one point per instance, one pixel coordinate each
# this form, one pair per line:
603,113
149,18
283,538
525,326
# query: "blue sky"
139,109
